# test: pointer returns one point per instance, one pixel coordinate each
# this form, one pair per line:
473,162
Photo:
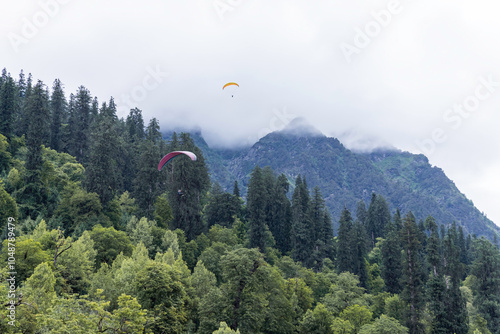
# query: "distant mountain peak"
299,126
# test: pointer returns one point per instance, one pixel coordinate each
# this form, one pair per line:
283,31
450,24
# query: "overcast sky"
422,76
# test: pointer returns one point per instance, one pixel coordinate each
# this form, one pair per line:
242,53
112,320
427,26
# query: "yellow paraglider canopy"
230,84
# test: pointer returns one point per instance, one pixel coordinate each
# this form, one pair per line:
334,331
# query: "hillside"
406,180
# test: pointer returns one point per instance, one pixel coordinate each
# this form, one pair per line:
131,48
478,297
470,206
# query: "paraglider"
174,154
230,84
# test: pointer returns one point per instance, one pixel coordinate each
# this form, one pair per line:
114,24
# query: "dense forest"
97,240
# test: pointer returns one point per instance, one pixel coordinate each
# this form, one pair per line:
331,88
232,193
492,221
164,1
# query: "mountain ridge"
407,181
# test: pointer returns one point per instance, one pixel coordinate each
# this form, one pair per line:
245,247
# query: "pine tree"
281,211
461,244
486,268
257,196
188,185
135,125
391,269
456,308
345,250
38,111
236,189
361,243
221,207
436,291
148,184
102,174
301,232
361,212
20,121
80,136
133,135
413,292
58,106
322,230
377,218
8,106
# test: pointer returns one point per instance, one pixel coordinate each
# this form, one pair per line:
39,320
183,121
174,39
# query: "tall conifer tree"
102,173
456,307
391,249
188,185
281,214
256,205
377,218
302,234
148,183
486,268
413,282
58,105
8,106
38,111
346,251
80,138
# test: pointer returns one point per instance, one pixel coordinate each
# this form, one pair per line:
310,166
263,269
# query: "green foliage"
486,269
224,329
317,321
9,209
79,210
343,293
163,211
76,265
221,207
341,326
257,198
413,274
5,155
79,275
28,255
191,177
302,236
300,295
384,325
253,293
160,291
377,218
108,243
391,251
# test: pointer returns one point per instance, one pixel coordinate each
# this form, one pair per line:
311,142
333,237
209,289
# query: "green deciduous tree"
343,293
108,243
384,325
317,321
159,290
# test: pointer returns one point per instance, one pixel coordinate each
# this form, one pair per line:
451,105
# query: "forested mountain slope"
406,180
